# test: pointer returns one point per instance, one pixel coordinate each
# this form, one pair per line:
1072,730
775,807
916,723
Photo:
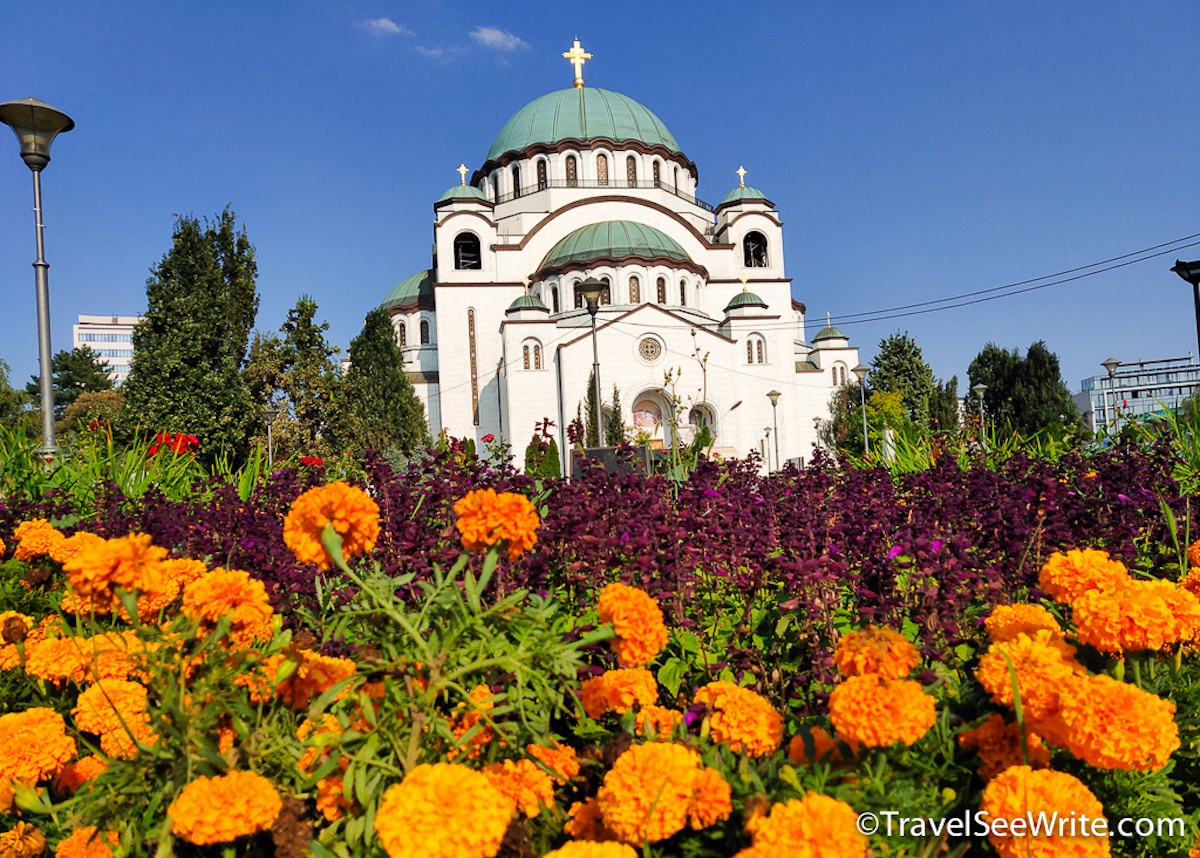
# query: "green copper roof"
744,299
616,238
829,333
744,192
581,113
463,192
527,302
409,291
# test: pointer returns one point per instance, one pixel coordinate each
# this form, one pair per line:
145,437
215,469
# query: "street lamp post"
860,372
774,395
1110,366
1190,271
36,124
591,290
979,390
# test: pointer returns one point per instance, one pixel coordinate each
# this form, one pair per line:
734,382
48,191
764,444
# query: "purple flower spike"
711,493
894,552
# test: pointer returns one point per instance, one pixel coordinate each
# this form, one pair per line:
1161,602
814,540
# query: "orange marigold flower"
466,717
588,849
1191,582
23,841
1007,621
258,675
559,759
524,783
1044,665
998,745
584,822
1114,725
648,793
129,563
36,538
183,570
74,775
618,691
878,651
234,594
316,674
1021,792
116,711
1067,576
331,798
56,660
443,810
351,511
10,656
1193,553
221,809
98,604
7,794
1142,615
85,843
486,518
825,748
33,745
712,800
66,549
638,621
741,718
876,712
816,826
656,722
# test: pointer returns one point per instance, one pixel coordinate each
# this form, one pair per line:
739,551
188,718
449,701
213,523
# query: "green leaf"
670,675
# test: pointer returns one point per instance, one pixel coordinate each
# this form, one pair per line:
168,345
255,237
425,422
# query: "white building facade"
1136,390
111,337
697,323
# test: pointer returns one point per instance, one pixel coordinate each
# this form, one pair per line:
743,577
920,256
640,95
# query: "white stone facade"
491,368
111,337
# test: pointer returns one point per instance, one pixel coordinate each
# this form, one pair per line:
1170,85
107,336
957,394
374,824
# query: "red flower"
312,461
95,424
488,438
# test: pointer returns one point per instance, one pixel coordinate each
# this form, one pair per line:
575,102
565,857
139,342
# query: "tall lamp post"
36,124
1110,366
979,390
774,395
1190,271
591,290
860,372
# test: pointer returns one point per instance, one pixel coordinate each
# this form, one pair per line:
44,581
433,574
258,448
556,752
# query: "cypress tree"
614,425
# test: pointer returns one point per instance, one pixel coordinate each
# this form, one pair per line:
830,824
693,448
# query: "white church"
696,320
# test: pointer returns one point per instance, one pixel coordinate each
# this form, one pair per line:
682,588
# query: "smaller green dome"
742,194
410,291
527,302
745,299
464,192
616,239
829,332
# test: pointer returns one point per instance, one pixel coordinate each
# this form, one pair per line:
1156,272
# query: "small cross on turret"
462,173
577,57
741,174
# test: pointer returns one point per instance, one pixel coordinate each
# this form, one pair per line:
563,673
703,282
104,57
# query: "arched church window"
554,298
402,333
754,247
755,349
606,295
543,180
572,171
657,175
682,293
516,177
424,332
466,252
749,351
758,348
631,170
525,356
578,295
662,290
602,169
635,291
537,356
677,178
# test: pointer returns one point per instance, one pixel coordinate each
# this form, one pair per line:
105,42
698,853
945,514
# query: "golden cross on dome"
526,282
741,174
462,172
828,321
743,279
577,57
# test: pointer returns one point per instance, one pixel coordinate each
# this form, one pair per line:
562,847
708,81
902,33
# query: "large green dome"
410,292
581,113
616,239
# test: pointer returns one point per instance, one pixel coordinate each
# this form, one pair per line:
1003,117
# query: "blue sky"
914,151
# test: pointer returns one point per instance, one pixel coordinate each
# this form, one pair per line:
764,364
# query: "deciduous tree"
900,367
1024,394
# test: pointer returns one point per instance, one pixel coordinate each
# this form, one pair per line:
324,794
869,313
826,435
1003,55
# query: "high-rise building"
1136,390
111,337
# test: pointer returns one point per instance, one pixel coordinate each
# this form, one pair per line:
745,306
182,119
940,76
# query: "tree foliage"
614,423
592,412
1024,394
943,407
900,367
190,344
73,372
13,403
377,408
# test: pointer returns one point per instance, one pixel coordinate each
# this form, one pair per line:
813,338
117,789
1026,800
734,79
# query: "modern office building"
1136,390
111,337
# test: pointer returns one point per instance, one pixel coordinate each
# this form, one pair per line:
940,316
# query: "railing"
611,183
